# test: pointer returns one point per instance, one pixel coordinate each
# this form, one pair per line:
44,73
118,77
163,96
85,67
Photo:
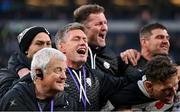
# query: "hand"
22,72
131,55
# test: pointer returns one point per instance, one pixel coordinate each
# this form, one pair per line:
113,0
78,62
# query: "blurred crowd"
137,10
63,9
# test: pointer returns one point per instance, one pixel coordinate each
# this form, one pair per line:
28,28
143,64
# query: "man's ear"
148,86
144,41
178,71
61,47
39,73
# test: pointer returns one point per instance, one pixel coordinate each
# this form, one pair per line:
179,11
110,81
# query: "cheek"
93,30
156,91
51,81
34,49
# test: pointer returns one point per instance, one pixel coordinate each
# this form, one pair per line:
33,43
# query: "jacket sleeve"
7,78
11,102
121,66
109,84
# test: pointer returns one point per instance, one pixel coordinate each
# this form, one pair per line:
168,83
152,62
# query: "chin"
61,89
82,60
102,45
164,52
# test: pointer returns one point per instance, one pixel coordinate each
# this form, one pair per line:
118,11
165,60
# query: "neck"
74,65
95,47
43,92
147,55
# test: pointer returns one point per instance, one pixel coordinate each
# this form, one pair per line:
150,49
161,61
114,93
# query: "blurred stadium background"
125,17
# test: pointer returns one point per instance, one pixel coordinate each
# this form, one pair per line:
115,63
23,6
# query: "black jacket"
135,73
129,96
18,61
99,87
106,61
22,97
7,77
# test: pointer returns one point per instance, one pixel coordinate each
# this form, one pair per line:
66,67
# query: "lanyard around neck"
79,86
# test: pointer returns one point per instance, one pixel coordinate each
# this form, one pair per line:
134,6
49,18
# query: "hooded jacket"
18,61
7,77
97,86
22,98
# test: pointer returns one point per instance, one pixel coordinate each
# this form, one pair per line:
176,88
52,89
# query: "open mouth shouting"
102,36
82,51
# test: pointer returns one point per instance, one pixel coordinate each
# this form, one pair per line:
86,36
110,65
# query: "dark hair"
146,30
160,68
82,13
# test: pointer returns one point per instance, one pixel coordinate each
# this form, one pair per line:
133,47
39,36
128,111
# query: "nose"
174,90
166,39
104,27
63,76
46,45
83,42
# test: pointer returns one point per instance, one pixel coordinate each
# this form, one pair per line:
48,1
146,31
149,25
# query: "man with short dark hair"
100,56
154,40
156,91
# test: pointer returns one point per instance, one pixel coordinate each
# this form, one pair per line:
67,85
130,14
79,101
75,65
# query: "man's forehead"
96,16
42,39
76,33
159,31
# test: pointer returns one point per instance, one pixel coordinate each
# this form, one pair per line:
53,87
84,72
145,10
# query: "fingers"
131,55
22,72
124,57
138,55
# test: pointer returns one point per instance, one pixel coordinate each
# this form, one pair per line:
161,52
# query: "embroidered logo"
12,103
88,80
106,65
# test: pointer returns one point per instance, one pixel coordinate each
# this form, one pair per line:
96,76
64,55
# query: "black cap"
26,36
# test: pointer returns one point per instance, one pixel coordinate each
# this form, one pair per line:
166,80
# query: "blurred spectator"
141,11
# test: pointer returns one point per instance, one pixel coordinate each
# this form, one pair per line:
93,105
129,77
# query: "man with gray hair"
45,92
87,86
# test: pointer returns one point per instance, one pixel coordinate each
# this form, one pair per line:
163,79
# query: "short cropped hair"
160,68
42,58
146,30
59,37
81,14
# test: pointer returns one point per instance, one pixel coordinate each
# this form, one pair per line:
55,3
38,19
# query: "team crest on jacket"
106,65
88,80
